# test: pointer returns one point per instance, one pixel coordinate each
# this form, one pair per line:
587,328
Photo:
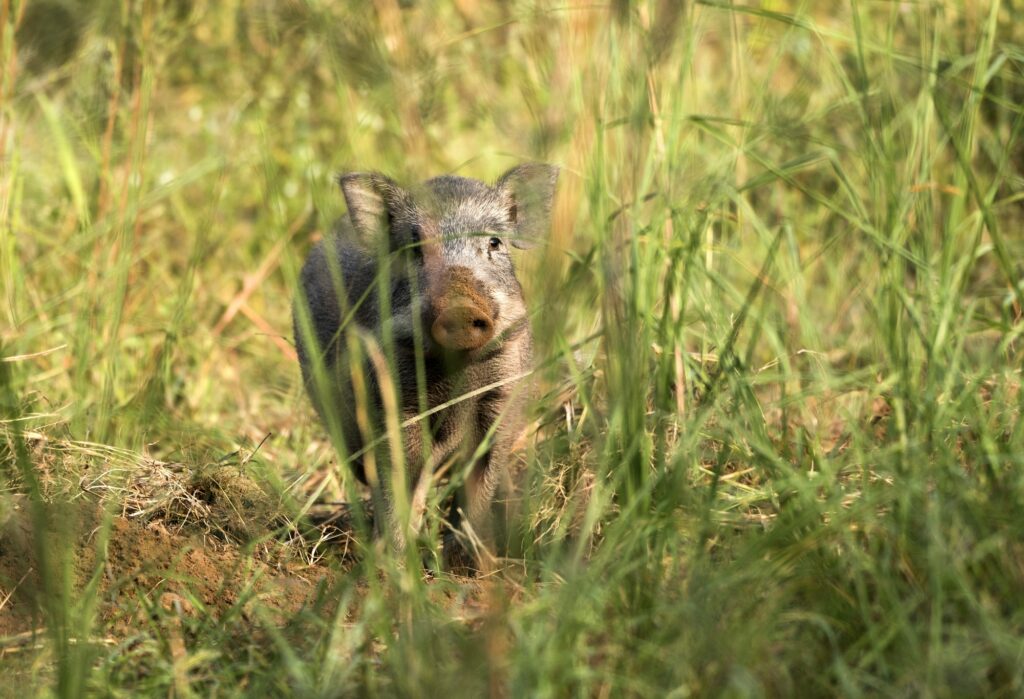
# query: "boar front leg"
470,543
398,507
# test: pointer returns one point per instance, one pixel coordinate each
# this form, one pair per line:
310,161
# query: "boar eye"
415,240
495,243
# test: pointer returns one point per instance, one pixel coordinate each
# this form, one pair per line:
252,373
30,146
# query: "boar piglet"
414,341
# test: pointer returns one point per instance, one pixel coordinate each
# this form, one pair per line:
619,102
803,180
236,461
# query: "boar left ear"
530,190
374,202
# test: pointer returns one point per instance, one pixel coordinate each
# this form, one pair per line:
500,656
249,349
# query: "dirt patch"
155,565
138,566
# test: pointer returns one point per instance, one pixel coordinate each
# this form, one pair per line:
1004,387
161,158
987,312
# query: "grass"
778,444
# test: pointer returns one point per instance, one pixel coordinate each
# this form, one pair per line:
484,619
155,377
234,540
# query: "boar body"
425,278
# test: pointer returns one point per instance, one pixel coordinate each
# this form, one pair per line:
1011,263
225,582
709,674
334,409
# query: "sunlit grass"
776,447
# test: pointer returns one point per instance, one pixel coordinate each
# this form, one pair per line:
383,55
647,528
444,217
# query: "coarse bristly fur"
412,307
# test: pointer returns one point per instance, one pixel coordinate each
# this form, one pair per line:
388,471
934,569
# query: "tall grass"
778,445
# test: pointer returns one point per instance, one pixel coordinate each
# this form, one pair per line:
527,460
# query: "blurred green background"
778,444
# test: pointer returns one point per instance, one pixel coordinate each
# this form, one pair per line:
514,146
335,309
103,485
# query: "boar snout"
462,326
462,319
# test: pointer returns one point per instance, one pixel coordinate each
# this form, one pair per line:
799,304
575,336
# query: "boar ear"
373,200
529,189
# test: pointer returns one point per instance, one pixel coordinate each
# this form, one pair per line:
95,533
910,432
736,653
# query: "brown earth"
147,564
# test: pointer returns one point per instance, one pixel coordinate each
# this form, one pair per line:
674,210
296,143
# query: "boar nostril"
462,328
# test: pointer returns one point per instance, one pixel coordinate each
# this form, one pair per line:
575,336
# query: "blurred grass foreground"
776,447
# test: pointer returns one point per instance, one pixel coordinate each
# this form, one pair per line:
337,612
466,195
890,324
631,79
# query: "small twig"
286,349
7,597
33,355
19,641
252,281
247,459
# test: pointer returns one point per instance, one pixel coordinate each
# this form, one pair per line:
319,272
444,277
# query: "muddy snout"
462,327
463,319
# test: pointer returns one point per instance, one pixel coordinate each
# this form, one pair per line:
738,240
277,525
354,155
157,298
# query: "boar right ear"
374,201
529,189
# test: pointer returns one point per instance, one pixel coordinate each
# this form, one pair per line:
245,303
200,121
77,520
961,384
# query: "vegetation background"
777,448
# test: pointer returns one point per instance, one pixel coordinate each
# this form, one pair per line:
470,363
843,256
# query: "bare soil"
148,563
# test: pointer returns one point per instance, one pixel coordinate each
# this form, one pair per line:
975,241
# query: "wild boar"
411,324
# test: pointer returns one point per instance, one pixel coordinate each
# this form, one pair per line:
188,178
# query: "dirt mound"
190,569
